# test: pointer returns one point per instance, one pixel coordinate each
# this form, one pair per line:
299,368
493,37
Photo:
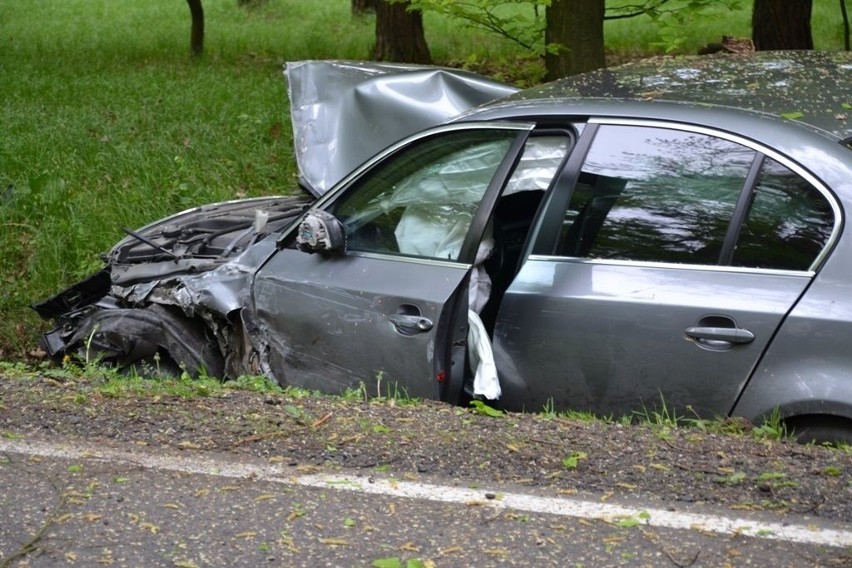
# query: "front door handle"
735,335
410,324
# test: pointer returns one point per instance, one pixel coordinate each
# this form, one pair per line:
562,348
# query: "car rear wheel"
820,429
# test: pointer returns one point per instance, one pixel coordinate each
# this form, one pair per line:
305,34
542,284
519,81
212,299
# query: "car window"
421,201
654,194
788,223
539,162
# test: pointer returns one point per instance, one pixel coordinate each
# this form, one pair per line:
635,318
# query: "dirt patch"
434,440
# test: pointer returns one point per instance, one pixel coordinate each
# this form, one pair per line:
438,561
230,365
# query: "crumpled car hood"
344,112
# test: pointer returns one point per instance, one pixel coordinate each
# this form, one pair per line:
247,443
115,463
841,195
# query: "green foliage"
116,385
573,460
548,411
674,20
734,478
254,383
386,391
519,21
662,415
483,408
772,428
629,522
395,562
523,22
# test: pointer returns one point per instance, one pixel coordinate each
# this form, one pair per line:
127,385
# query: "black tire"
151,341
821,429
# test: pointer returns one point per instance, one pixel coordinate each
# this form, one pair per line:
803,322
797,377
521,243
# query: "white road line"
274,473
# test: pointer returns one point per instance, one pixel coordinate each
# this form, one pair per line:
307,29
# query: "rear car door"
387,312
667,258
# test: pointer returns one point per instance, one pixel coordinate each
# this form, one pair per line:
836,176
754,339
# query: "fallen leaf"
151,527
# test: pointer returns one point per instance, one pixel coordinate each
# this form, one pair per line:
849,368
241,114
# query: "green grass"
105,121
640,36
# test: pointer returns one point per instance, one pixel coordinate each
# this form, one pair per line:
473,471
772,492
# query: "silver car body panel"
332,324
605,334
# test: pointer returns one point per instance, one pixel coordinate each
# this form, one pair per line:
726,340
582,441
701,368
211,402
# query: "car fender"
797,391
807,369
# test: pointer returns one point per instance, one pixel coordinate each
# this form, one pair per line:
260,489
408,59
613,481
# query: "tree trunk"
196,36
577,27
782,24
845,16
399,34
363,6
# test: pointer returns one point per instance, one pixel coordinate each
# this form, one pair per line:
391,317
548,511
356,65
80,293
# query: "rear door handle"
727,334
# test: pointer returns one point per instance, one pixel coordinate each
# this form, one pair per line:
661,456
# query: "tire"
149,342
821,430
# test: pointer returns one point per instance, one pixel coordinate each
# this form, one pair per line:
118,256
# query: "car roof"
813,88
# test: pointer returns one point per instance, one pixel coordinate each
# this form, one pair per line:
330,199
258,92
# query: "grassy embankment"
107,123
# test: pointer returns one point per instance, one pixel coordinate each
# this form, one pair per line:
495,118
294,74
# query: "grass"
105,121
91,378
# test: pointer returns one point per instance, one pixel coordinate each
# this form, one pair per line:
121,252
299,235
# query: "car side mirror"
321,232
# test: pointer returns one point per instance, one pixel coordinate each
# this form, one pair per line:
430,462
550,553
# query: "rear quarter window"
789,222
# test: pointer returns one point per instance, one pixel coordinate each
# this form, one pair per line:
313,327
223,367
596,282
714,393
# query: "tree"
399,33
523,27
571,38
576,27
782,24
196,36
363,6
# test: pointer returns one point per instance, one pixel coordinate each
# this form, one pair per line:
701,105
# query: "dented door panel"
331,325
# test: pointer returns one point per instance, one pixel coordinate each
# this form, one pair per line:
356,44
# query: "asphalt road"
66,504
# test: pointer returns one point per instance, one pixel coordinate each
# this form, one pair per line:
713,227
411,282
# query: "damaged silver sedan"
669,231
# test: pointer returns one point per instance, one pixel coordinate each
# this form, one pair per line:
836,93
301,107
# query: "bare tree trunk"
363,6
196,37
782,24
577,27
399,34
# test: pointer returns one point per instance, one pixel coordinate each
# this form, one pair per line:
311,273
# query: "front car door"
666,259
387,313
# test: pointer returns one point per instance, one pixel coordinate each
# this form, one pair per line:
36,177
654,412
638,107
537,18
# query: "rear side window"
656,195
789,222
661,195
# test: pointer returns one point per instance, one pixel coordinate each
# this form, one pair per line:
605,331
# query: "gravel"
435,441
